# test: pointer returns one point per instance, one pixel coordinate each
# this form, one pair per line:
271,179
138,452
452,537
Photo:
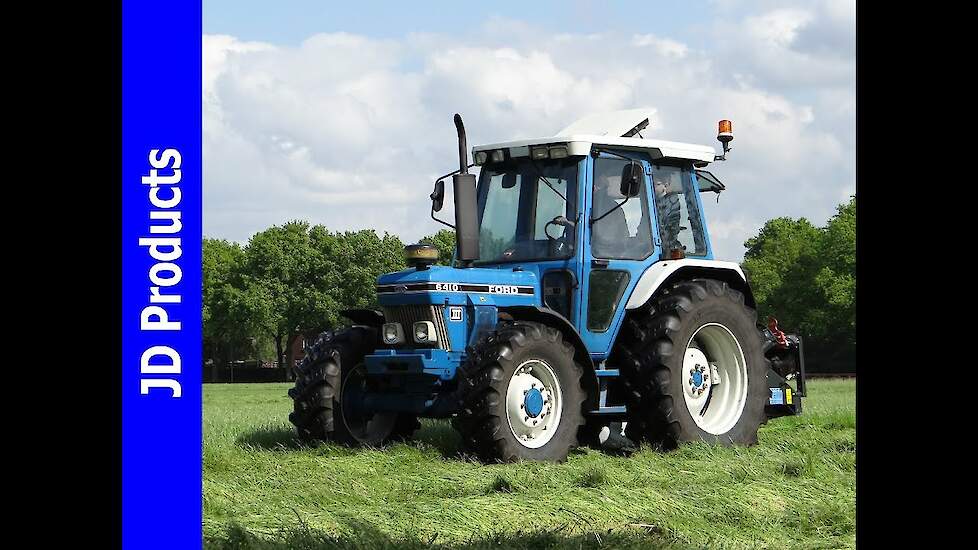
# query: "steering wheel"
558,245
547,232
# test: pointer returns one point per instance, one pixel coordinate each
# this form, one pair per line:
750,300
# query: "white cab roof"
605,129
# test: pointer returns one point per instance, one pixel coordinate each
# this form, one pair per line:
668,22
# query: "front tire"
522,395
694,367
327,384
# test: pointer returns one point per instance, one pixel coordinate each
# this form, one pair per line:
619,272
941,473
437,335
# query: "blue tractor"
583,294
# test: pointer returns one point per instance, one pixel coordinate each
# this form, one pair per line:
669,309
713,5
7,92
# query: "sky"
341,114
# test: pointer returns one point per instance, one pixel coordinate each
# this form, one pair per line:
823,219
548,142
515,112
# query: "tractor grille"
408,315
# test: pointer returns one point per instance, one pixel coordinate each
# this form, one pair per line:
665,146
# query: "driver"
667,204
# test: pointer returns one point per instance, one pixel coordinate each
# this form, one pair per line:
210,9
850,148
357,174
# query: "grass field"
262,489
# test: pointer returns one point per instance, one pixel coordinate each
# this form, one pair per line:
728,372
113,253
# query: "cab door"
619,244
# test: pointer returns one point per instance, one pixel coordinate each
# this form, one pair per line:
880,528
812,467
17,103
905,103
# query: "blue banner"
161,274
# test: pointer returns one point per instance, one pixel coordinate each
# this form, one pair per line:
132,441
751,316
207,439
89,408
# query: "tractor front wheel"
522,395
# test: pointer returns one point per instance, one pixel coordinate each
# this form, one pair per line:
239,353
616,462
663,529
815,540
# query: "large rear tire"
522,395
694,367
325,393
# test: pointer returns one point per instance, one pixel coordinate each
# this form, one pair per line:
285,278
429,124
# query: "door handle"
599,264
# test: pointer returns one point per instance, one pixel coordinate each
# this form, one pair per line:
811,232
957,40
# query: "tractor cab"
588,214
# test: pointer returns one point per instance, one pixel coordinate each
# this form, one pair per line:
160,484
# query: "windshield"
517,199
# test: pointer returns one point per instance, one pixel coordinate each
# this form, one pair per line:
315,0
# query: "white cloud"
800,47
663,46
778,28
350,131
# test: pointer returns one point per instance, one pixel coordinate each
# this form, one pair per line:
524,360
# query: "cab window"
677,211
625,233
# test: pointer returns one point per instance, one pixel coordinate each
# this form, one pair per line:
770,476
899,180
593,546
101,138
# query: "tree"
444,241
806,277
284,291
224,330
354,260
296,279
779,260
837,277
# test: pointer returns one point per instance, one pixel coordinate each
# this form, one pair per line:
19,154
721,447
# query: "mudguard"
665,271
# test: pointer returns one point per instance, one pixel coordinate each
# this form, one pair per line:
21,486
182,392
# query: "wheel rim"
367,429
714,378
533,403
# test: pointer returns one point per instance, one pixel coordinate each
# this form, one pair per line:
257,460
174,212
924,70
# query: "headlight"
498,155
480,157
393,333
424,332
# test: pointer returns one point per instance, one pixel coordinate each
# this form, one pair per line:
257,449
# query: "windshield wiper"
545,180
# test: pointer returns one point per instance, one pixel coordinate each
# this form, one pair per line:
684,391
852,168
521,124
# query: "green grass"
263,489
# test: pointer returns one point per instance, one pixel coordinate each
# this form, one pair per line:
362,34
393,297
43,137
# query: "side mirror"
438,196
631,180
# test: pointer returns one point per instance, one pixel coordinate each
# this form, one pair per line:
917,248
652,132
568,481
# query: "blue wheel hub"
697,379
533,403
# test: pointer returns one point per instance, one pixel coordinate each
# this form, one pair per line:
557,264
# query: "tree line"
291,281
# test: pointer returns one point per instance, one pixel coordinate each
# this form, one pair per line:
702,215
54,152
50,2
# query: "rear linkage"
787,356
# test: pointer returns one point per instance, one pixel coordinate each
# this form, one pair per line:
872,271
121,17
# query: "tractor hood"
450,286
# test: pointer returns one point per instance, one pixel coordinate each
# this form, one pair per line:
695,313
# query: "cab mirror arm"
616,207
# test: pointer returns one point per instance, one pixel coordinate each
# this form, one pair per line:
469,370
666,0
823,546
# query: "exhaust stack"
466,209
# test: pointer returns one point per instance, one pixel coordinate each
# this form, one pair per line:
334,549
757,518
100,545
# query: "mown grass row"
263,489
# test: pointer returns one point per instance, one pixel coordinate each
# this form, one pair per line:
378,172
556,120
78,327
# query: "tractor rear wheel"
328,383
694,367
522,395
